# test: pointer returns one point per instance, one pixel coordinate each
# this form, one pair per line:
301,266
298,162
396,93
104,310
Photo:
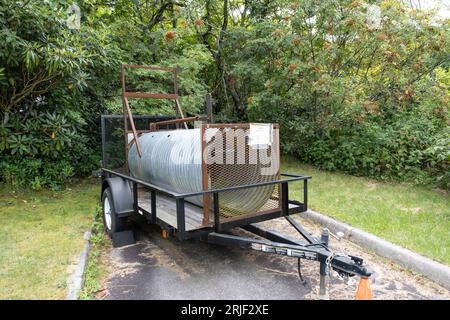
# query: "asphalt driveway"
155,268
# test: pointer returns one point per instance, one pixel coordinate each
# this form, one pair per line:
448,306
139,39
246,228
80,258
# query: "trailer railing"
288,207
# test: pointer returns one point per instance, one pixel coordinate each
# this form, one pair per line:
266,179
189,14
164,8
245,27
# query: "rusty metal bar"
139,131
133,128
206,197
178,107
127,111
175,81
174,121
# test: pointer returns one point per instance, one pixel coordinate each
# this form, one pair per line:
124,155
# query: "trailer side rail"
288,207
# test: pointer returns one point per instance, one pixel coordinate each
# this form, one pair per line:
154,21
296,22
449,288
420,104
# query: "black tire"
112,223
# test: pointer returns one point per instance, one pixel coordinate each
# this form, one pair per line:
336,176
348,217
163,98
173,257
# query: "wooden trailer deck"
166,210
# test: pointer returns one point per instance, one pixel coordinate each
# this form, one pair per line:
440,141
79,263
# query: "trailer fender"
121,194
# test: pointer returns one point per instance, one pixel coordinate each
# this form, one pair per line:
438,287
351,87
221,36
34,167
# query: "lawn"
411,216
41,233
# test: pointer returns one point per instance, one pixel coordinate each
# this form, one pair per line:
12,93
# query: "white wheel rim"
107,209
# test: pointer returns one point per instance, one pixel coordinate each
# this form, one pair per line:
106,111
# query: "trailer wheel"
111,221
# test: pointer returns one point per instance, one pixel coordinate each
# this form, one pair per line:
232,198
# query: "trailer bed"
166,210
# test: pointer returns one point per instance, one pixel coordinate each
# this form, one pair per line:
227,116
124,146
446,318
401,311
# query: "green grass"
41,233
96,269
411,216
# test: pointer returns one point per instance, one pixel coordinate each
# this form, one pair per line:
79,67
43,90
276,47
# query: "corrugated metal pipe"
173,160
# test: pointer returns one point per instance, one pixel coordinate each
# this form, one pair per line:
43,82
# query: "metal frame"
206,176
274,243
345,265
127,114
288,206
285,208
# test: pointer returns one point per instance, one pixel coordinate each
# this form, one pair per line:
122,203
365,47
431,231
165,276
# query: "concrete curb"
76,280
435,271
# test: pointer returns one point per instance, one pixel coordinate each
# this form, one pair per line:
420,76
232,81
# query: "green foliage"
38,53
359,86
43,150
53,80
355,87
35,174
408,149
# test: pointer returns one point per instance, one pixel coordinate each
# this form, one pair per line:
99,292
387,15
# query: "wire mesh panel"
113,146
113,139
231,159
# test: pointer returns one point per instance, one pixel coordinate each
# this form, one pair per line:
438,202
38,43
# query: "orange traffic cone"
364,292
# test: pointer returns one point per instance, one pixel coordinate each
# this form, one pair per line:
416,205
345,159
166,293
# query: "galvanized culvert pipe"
173,160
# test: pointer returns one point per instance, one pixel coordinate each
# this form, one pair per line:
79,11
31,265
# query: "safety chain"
329,260
328,264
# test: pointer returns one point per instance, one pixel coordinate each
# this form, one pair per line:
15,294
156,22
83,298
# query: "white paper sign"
260,135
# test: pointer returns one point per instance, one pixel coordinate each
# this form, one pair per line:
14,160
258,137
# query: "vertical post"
206,197
179,112
102,123
153,205
135,197
175,81
284,199
209,111
127,112
181,227
125,122
305,194
324,238
216,211
175,91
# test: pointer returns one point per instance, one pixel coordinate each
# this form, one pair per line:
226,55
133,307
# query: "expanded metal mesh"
231,161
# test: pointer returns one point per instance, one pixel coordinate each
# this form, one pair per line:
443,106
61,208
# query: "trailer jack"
311,249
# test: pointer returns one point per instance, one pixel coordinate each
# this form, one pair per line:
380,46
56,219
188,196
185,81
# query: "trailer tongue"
202,183
345,265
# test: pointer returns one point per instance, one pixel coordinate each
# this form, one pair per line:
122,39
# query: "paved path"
154,268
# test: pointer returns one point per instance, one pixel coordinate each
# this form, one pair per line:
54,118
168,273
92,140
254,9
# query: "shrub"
35,174
45,150
411,148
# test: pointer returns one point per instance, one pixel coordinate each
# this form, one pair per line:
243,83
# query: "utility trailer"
142,175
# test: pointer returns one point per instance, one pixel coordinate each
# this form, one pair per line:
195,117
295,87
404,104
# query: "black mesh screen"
113,138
